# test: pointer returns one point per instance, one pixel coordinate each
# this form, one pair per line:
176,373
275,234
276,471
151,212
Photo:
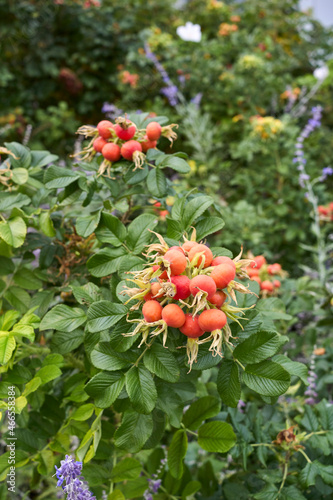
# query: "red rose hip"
173,315
191,327
98,144
111,152
152,311
207,253
203,283
104,129
222,275
211,320
129,148
177,261
153,131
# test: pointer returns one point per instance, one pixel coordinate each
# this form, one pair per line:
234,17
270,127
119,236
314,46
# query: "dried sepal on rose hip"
186,287
268,276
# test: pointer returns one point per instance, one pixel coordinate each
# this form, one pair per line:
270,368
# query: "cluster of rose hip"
326,212
123,139
186,287
266,274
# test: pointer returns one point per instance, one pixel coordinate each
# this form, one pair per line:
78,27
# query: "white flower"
321,73
190,32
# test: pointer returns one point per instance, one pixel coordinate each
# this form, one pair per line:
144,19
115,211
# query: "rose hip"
212,319
203,283
207,253
111,152
177,261
191,327
223,260
218,299
129,148
152,311
182,284
153,131
173,315
104,129
98,144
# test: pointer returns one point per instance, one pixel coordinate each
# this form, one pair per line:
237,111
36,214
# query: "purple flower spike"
75,487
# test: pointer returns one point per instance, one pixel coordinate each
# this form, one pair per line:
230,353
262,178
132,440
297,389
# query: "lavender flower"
313,123
75,487
326,172
111,110
311,390
240,406
154,484
197,100
170,91
302,178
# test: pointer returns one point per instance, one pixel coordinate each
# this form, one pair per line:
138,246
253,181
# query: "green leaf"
134,431
65,342
116,495
87,224
200,410
257,347
46,462
7,346
106,358
139,175
308,475
292,367
18,298
141,389
42,158
208,225
48,373
175,229
22,154
9,201
162,363
20,176
190,489
59,177
326,472
111,230
310,420
46,224
63,318
13,231
6,266
106,261
83,413
195,208
216,437
129,468
176,163
228,383
26,278
269,492
105,388
31,386
267,378
103,314
176,453
138,232
156,183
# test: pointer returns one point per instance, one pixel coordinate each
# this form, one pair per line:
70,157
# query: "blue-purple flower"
313,123
75,487
170,91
